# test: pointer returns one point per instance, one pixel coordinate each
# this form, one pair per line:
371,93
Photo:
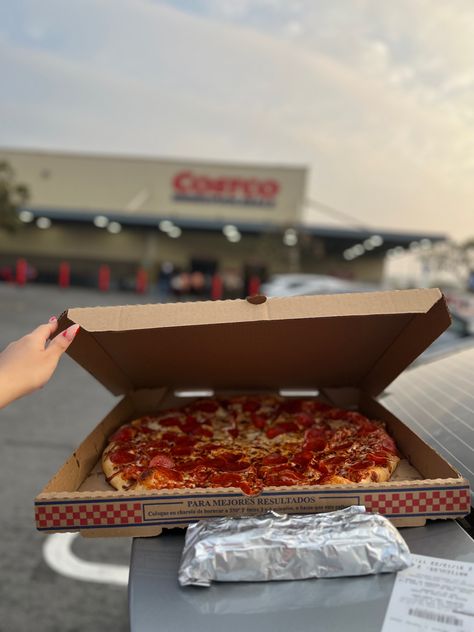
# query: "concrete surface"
37,434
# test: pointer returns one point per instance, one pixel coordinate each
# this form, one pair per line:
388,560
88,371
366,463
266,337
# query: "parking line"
58,554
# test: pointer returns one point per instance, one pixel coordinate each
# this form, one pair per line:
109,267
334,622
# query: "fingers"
58,345
43,332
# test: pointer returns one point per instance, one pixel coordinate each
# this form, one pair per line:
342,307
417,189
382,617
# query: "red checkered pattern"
414,502
87,515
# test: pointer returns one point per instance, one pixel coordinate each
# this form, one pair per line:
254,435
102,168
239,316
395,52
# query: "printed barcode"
435,616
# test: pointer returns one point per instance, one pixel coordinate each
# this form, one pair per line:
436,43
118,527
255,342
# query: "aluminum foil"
281,547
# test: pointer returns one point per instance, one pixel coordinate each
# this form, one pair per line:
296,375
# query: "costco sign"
195,187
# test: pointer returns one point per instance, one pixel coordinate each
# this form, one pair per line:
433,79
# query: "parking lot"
38,433
69,583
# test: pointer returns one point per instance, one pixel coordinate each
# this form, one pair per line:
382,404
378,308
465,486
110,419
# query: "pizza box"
347,348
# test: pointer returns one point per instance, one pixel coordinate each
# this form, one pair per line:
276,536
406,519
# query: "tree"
13,196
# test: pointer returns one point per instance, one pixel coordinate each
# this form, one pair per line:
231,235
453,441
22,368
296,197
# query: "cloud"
382,121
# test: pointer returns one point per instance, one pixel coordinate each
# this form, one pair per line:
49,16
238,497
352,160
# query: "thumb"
60,343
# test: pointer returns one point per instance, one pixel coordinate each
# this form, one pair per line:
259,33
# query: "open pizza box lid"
361,340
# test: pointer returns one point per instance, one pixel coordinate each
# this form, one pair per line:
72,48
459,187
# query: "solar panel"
436,400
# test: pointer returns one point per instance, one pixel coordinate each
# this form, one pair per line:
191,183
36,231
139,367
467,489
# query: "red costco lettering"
197,187
182,181
269,188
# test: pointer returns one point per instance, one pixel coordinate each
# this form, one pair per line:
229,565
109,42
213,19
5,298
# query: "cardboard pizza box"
346,347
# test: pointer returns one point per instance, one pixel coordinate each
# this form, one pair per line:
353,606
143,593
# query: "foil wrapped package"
281,547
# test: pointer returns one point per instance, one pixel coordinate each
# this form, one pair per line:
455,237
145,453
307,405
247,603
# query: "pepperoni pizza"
251,443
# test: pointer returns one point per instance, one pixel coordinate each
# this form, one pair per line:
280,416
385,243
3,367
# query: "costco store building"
169,216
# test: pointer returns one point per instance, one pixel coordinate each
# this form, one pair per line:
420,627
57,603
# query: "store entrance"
201,272
208,267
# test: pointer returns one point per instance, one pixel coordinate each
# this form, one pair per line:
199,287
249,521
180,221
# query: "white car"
298,284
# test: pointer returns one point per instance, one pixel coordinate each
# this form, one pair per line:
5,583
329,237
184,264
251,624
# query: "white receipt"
433,595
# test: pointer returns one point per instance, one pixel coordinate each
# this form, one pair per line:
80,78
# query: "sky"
376,97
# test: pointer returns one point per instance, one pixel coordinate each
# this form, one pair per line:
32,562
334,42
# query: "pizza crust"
378,474
112,472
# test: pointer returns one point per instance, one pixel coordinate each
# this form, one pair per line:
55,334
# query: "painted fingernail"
70,332
53,319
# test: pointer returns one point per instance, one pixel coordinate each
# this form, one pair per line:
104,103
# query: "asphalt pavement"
38,433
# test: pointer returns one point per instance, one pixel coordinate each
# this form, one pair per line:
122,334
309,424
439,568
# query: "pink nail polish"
53,319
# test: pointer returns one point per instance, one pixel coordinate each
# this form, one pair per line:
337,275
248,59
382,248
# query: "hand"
28,363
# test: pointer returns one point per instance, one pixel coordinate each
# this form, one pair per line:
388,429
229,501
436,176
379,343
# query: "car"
301,284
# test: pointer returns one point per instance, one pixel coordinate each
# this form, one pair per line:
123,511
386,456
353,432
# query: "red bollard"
141,284
21,272
104,278
64,277
216,287
254,286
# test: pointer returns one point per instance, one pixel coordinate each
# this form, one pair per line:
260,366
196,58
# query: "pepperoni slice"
250,406
334,461
291,406
121,456
190,425
203,431
303,458
304,420
347,445
132,472
357,418
314,439
234,480
274,432
168,422
362,465
216,463
184,440
379,458
325,480
182,450
209,447
236,466
231,456
274,459
365,426
206,406
319,407
322,468
388,444
259,421
315,444
163,475
335,413
125,433
283,477
145,430
226,480
315,432
170,437
281,428
163,461
189,466
263,470
234,432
